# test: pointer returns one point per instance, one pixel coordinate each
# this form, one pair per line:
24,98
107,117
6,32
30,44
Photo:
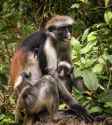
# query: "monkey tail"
20,106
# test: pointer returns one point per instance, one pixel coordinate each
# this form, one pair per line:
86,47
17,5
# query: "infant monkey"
66,75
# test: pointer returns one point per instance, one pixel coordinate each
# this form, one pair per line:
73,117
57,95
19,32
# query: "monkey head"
60,27
64,69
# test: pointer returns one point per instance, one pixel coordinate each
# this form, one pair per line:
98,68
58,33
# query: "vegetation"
91,47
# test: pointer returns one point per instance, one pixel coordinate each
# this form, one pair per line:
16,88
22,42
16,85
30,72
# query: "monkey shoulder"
35,40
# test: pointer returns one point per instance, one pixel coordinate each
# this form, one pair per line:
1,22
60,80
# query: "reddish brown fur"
17,65
56,19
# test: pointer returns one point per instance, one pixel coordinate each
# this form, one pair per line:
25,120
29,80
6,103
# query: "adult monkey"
40,53
51,46
46,94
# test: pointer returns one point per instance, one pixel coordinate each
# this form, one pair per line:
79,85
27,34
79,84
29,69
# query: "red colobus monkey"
49,46
39,54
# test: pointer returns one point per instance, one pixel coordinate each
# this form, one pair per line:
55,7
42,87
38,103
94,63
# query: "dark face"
62,33
64,71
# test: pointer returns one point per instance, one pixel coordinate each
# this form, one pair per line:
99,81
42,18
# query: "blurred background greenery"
91,46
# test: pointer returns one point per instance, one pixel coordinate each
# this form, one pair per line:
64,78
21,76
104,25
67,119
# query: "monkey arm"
74,105
65,94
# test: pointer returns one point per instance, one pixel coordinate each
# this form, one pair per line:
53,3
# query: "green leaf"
2,116
105,96
76,45
77,73
95,109
90,80
87,48
109,58
92,37
101,60
98,68
89,62
76,5
85,34
108,104
108,17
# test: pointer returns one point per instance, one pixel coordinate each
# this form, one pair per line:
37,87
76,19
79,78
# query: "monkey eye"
65,28
51,29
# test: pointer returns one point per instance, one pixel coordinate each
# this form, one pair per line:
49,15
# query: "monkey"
35,98
52,45
65,72
47,93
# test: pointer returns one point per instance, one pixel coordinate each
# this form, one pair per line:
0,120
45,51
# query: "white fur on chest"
51,54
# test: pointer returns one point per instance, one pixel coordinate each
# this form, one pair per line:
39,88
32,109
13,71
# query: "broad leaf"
85,34
108,17
92,37
76,45
90,80
109,57
98,68
95,109
87,48
108,104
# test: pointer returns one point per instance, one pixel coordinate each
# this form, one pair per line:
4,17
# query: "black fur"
35,43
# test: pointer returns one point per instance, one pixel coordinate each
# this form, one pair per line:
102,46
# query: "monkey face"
62,33
64,71
61,27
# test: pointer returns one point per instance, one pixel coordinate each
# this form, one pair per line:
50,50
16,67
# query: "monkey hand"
51,71
81,112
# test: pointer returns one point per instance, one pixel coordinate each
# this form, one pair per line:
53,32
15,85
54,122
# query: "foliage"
92,57
7,106
6,119
91,44
13,28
